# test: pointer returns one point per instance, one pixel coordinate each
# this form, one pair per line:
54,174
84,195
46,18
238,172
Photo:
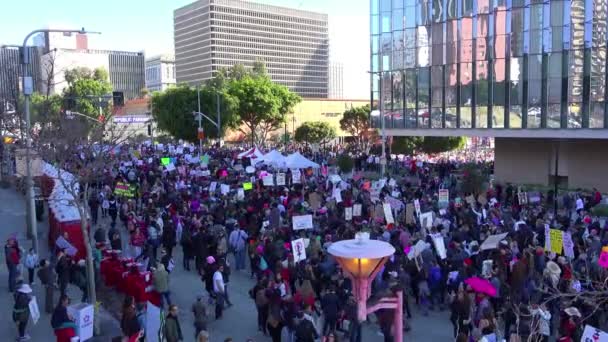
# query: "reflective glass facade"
517,64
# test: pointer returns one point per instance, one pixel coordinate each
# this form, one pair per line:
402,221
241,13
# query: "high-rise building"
160,72
214,34
11,72
530,74
336,80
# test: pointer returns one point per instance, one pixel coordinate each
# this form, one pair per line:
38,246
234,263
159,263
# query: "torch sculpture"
362,259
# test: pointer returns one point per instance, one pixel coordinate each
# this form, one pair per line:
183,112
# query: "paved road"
239,321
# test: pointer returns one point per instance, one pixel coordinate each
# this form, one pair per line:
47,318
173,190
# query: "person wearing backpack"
21,310
237,240
187,247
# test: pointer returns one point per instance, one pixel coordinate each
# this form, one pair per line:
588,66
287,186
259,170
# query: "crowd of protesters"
199,204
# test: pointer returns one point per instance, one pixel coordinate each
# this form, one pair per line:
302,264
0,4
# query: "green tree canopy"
356,122
432,145
315,132
85,87
172,111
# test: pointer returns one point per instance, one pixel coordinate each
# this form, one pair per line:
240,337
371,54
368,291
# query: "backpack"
305,331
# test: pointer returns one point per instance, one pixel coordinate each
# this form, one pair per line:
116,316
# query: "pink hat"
210,260
260,249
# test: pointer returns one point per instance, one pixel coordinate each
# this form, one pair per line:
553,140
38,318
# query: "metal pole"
555,181
219,118
381,110
30,205
200,141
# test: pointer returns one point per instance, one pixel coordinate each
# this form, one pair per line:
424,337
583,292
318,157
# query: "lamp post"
362,259
28,89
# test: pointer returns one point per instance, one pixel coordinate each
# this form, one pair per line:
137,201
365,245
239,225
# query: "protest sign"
212,187
388,213
417,206
534,197
165,161
170,167
337,195
444,198
314,200
557,240
205,159
224,189
357,209
302,222
299,250
492,241
62,243
568,245
240,194
124,190
83,315
592,334
439,245
247,186
409,213
268,180
547,237
348,214
280,179
426,219
486,268
522,197
603,260
392,182
296,176
34,310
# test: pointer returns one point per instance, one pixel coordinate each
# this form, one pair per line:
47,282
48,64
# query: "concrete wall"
532,161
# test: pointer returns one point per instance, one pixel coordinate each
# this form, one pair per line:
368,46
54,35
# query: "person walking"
330,306
31,261
45,275
12,256
219,290
62,268
62,323
237,240
172,330
161,284
199,309
21,310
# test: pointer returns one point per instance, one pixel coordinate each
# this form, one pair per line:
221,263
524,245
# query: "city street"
239,321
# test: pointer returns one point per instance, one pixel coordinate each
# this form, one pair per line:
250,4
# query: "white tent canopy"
298,161
273,158
253,153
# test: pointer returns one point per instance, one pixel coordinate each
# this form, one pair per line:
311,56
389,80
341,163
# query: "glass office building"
490,64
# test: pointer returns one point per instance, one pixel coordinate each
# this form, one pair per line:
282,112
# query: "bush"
600,210
345,163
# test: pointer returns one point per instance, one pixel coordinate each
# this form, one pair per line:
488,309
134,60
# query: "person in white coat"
540,313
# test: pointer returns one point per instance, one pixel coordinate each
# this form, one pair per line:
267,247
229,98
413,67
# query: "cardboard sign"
417,206
556,240
492,241
388,213
247,186
444,198
426,220
280,179
268,180
439,245
296,176
348,214
409,213
314,200
224,189
357,209
302,222
568,246
486,268
299,250
592,334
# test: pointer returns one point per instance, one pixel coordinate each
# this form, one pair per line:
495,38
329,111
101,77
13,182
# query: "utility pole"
381,107
219,118
199,118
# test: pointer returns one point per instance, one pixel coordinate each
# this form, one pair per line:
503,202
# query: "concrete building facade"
336,80
11,71
160,72
531,74
214,34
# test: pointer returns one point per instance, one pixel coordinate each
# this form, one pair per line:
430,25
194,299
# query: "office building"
214,34
530,74
336,80
11,72
160,72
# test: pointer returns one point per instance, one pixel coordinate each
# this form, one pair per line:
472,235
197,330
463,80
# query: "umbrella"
481,285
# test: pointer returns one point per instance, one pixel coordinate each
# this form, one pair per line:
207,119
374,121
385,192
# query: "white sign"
357,210
337,194
34,310
439,245
240,194
302,222
153,318
268,180
83,316
299,250
296,176
170,167
212,186
417,206
592,334
426,219
444,197
280,179
568,245
492,241
392,182
224,189
348,214
388,213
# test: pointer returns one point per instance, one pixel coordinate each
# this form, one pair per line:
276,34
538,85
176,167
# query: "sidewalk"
12,219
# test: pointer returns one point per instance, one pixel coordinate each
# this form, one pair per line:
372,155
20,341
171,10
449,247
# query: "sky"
138,25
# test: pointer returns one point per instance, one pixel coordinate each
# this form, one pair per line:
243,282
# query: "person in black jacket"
45,274
62,268
129,323
331,308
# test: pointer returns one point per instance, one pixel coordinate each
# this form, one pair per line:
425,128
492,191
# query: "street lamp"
199,117
362,259
28,89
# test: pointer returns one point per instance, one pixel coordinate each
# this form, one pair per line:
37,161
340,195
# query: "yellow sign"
247,186
556,238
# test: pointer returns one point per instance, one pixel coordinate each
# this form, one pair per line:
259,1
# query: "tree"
172,111
405,145
433,145
356,122
86,90
315,132
345,163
